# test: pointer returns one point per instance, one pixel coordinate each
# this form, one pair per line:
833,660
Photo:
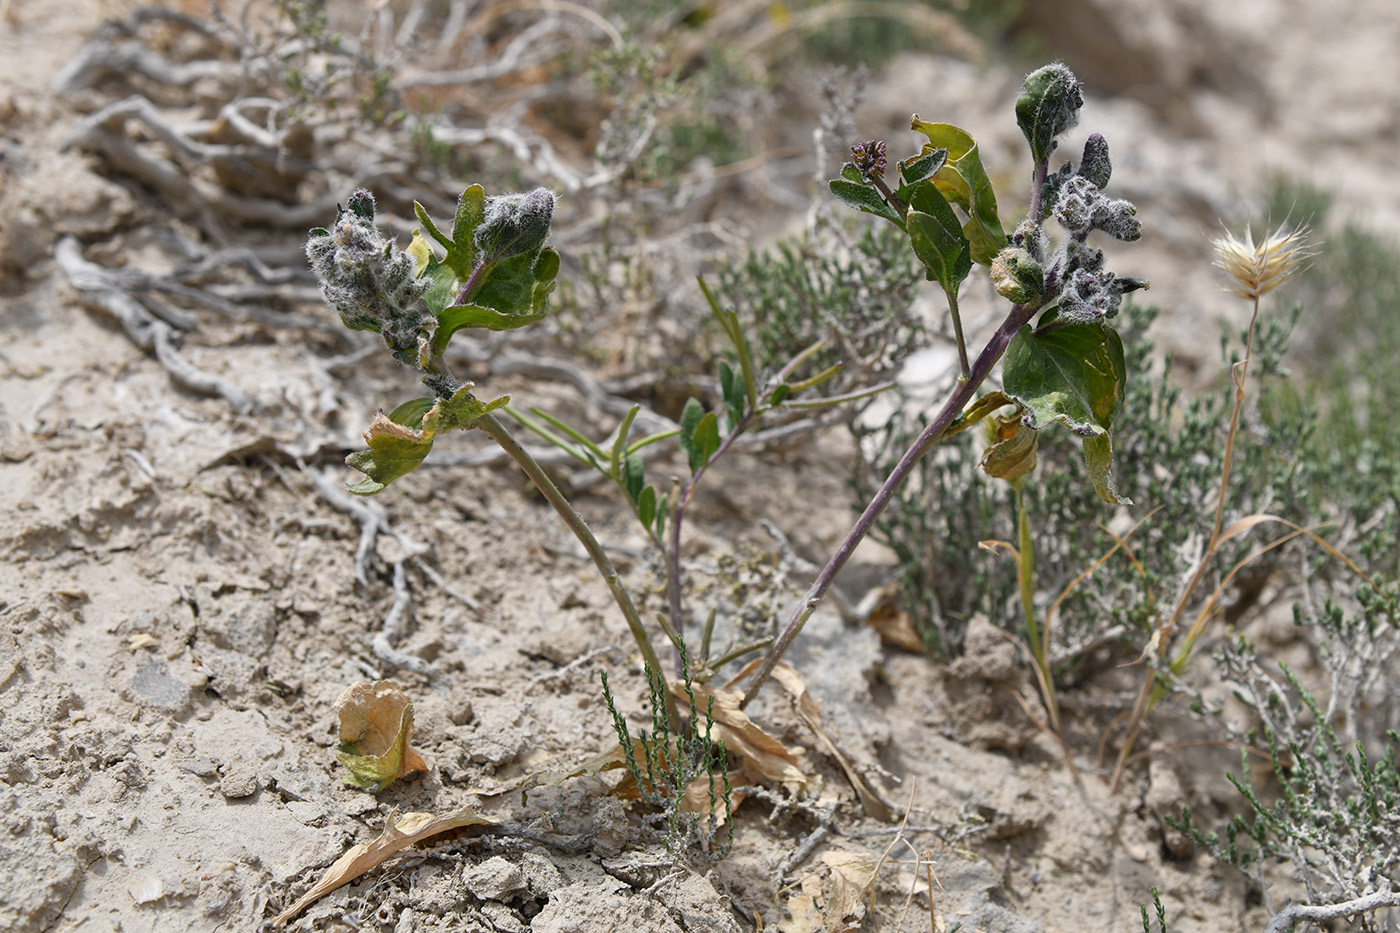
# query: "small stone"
494,879
200,766
360,804
240,780
147,889
156,686
462,714
307,812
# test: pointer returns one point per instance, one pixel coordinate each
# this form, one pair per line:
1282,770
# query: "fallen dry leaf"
894,626
762,758
607,761
376,721
810,711
398,835
832,895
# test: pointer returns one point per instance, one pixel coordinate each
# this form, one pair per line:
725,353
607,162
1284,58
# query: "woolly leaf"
923,167
1048,106
864,198
514,294
1073,376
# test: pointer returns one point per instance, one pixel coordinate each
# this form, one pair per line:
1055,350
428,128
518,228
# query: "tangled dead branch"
152,333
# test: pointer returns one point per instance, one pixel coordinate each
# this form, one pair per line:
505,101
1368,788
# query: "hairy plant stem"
958,333
1042,171
1038,641
493,429
1153,691
1020,315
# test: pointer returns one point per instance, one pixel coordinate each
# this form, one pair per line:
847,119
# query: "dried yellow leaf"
376,723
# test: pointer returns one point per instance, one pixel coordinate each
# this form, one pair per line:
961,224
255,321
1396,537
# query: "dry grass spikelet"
1259,268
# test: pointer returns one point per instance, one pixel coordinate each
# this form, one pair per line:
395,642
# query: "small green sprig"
747,397
664,762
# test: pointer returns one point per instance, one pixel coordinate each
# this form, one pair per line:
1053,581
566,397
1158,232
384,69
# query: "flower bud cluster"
869,158
1082,208
1088,292
1091,294
514,224
368,280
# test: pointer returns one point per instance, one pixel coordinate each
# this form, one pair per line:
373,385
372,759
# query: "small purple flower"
869,158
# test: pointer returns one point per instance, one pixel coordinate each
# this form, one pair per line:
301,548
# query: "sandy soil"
182,608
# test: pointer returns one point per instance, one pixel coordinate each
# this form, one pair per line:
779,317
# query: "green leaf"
690,418
1074,376
571,442
699,434
455,318
508,285
646,507
514,294
471,208
619,453
663,508
731,385
964,182
442,287
633,478
938,239
397,449
864,198
729,323
1098,460
781,392
923,167
461,255
410,414
706,437
421,213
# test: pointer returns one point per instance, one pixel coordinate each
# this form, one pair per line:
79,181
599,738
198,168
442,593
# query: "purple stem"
473,282
1042,169
1020,315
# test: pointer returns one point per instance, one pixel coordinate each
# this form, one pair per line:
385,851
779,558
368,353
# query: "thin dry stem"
1162,636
